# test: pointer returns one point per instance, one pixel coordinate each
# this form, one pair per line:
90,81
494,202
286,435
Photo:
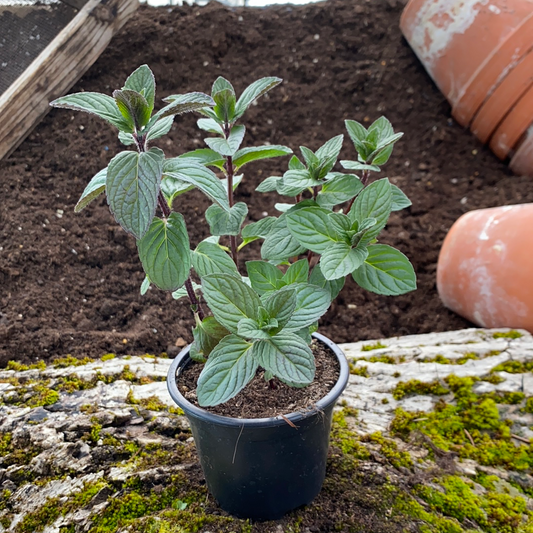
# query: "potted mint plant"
255,323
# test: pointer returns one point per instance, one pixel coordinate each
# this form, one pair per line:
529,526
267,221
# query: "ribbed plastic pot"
522,161
262,468
468,46
485,266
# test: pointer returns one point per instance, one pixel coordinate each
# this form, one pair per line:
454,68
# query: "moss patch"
414,386
512,334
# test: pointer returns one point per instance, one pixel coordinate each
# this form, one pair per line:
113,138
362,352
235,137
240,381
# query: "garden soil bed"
70,283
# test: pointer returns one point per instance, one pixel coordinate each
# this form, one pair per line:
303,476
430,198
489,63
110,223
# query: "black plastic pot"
262,468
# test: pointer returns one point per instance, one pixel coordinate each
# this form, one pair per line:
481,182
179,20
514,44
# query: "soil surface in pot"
262,399
70,283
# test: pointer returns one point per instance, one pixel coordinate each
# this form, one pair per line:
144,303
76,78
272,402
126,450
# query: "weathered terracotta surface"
485,267
522,161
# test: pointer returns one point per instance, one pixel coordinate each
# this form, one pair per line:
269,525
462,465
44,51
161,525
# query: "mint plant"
327,230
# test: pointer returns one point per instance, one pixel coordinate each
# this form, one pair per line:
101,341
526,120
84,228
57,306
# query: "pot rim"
330,398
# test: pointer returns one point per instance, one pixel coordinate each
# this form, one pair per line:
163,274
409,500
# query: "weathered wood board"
44,50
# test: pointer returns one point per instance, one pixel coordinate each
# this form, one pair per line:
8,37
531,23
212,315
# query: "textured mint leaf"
172,187
182,103
126,138
160,128
224,105
298,272
95,187
209,258
228,370
97,104
210,125
339,189
230,299
312,228
355,165
255,153
206,157
132,187
341,259
133,107
288,357
269,185
145,285
311,303
190,171
296,181
331,148
375,201
382,127
386,271
399,199
263,276
296,164
164,252
356,131
259,229
222,84
280,305
229,146
333,286
341,223
226,222
182,293
382,156
253,92
207,334
249,329
280,244
142,81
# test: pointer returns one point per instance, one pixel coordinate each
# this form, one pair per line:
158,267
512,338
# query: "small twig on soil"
467,433
521,439
292,424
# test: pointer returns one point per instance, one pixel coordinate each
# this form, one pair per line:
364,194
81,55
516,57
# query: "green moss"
42,395
359,370
346,440
89,408
18,367
108,356
94,433
493,378
529,405
509,398
39,519
5,444
514,367
439,358
152,403
512,334
69,360
414,386
385,401
396,374
370,347
389,449
466,357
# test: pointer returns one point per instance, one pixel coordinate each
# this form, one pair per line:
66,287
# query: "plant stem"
309,257
163,205
229,174
364,181
195,304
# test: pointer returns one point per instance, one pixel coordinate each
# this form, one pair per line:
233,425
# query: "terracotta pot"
457,39
504,97
513,126
522,161
485,266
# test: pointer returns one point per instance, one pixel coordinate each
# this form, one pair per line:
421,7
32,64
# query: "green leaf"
356,131
249,329
298,272
206,157
340,189
172,187
296,164
331,148
288,357
207,334
132,187
253,92
229,146
142,81
254,153
269,185
95,187
221,84
341,223
382,127
228,370
210,125
133,106
399,199
209,258
164,252
97,104
386,271
311,303
259,229
341,259
310,158
280,305
230,299
182,103
264,276
375,201
226,222
279,243
190,171
296,181
383,156
355,165
312,228
182,293
125,138
145,285
224,97
283,208
160,128
333,286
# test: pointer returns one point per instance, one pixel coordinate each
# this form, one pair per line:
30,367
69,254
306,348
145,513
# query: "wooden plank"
58,67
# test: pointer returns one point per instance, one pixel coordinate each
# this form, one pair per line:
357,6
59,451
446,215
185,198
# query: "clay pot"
513,126
485,266
522,161
504,97
468,45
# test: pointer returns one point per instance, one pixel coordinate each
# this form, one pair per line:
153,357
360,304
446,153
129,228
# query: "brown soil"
262,399
70,283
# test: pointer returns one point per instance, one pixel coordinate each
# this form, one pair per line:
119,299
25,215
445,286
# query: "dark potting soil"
70,283
262,399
